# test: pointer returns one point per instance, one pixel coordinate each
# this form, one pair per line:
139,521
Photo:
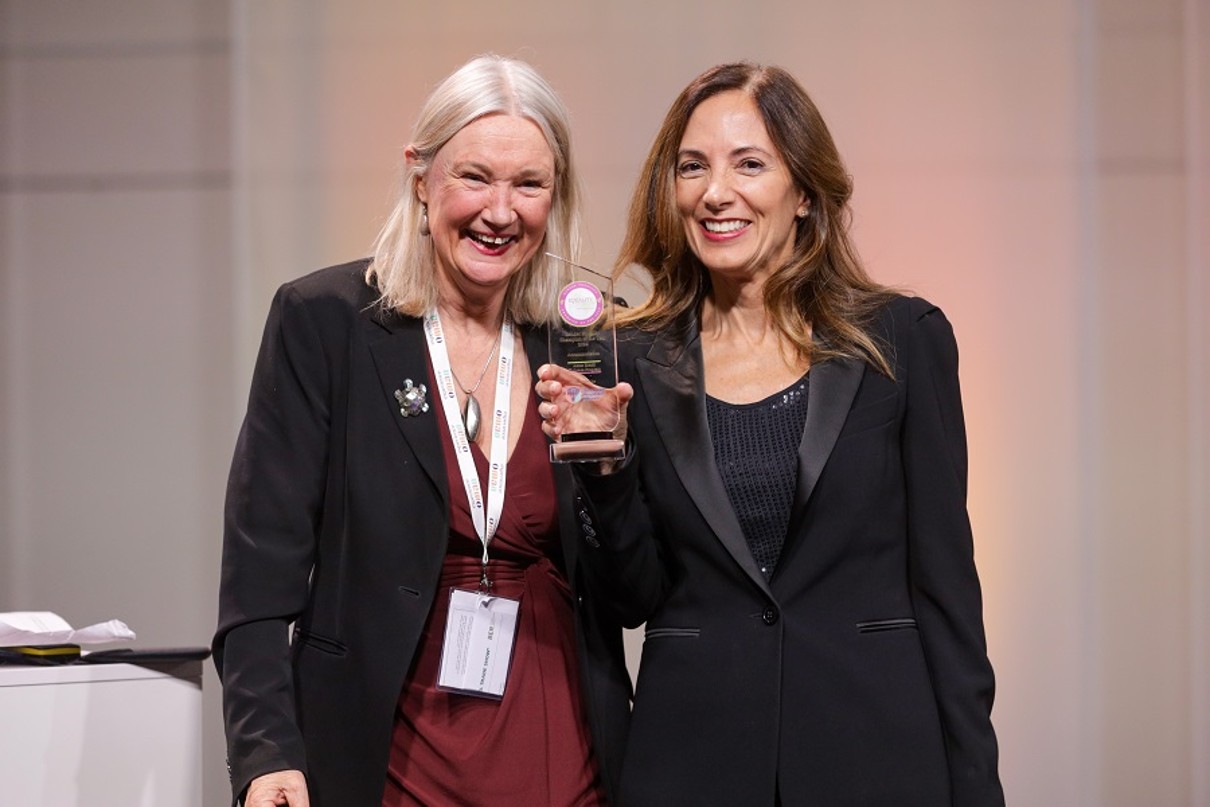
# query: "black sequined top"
756,450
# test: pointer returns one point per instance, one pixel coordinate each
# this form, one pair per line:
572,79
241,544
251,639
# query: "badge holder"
480,631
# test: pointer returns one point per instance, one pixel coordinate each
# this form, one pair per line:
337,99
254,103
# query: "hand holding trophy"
584,402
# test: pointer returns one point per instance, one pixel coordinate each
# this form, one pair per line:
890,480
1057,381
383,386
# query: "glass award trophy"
583,342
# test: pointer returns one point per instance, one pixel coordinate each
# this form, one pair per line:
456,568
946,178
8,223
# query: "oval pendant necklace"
472,416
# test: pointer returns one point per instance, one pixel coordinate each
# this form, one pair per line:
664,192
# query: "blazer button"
770,616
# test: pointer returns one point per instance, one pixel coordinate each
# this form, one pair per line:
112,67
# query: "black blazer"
336,521
858,674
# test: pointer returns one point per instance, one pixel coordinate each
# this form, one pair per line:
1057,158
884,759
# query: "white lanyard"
485,528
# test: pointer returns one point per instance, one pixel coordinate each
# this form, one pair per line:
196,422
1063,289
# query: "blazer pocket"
661,633
320,643
871,415
881,625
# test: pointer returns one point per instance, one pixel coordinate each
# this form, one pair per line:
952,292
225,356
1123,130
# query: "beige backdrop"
1038,168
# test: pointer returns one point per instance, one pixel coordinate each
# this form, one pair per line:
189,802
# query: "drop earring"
424,219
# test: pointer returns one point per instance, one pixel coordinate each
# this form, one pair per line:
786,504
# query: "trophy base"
593,450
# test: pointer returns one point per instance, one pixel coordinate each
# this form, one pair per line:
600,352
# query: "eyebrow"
738,152
480,168
535,173
469,165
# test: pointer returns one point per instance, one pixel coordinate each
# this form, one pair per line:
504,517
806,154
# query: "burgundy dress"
533,747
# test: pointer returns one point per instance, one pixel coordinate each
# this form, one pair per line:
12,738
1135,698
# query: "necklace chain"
482,372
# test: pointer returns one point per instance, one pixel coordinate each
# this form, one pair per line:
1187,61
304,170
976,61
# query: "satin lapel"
830,392
399,355
673,381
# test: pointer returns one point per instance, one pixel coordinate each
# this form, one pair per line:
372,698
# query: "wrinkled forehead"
500,140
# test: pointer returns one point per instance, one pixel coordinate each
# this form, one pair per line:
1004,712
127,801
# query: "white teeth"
729,226
492,240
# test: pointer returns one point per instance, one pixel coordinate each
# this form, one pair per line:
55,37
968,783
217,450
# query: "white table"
101,735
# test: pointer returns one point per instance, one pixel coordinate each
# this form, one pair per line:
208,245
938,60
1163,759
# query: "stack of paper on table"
46,636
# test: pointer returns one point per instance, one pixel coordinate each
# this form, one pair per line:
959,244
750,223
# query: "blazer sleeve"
274,499
945,587
621,562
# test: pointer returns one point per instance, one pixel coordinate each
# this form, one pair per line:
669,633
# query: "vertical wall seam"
16,386
1089,453
243,285
1196,214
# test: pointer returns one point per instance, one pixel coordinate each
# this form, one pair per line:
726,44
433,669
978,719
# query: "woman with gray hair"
392,500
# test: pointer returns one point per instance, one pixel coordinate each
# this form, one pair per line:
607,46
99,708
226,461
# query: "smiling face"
734,192
489,192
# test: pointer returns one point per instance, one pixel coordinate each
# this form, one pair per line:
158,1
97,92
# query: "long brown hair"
821,300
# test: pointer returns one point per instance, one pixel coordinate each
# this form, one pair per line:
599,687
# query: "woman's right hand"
610,410
279,788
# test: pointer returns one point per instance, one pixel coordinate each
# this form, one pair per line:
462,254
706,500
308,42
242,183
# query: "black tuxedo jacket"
336,521
858,674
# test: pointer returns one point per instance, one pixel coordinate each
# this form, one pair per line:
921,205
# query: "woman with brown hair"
790,522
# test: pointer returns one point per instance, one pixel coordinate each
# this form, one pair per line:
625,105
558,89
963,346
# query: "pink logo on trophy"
581,304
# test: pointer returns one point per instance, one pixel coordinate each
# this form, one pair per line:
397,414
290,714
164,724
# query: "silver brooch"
411,399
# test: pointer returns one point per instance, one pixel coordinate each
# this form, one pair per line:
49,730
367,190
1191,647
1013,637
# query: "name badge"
478,646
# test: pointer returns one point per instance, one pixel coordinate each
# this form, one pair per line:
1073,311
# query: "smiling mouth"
491,241
723,227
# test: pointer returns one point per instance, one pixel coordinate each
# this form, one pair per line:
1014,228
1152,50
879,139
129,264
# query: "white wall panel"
114,25
99,118
117,331
1142,398
121,500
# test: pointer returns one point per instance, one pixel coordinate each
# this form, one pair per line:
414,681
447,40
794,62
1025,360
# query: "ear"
804,205
412,158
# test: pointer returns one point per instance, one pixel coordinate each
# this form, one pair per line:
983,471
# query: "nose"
499,212
718,191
